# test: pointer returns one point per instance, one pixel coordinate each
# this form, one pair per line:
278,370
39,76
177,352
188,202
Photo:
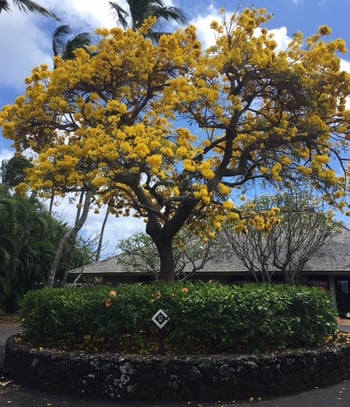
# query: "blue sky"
25,41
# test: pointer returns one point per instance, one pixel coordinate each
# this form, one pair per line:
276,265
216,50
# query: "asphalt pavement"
19,396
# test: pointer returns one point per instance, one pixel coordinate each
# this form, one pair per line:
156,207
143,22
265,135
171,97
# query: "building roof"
333,256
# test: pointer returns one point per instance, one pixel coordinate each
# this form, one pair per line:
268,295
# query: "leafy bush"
204,318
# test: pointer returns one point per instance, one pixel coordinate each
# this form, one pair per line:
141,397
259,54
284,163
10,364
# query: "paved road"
17,396
334,396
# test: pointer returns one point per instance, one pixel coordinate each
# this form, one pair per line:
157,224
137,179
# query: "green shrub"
204,318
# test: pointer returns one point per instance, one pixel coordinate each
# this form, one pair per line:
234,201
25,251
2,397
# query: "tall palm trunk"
71,234
100,240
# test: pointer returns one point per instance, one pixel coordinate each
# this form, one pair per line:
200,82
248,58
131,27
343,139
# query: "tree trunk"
70,255
266,274
167,264
163,241
70,234
163,235
287,277
100,240
52,201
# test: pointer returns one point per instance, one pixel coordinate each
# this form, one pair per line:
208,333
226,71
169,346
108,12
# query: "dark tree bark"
163,235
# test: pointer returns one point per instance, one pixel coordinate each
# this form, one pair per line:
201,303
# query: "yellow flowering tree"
172,132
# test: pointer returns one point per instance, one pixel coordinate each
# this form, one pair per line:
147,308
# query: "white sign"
160,318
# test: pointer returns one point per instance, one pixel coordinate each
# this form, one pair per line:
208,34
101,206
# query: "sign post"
160,318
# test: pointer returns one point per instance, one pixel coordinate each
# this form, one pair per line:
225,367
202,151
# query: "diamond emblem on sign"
160,318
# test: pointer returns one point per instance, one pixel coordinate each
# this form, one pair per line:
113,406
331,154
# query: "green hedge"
204,317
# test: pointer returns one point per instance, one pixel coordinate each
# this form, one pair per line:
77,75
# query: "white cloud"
23,45
344,65
281,37
84,13
25,40
202,24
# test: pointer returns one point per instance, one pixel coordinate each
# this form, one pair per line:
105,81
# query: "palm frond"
82,40
32,6
168,13
119,13
65,48
4,5
59,39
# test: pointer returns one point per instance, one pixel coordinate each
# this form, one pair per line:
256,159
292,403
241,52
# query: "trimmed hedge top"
203,318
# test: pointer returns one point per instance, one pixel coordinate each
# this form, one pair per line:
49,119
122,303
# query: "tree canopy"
172,132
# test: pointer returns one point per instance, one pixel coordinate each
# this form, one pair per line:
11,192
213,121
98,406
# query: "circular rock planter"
181,378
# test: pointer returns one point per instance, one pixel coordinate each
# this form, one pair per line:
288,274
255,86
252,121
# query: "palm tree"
13,171
22,246
70,236
25,6
65,48
29,237
140,10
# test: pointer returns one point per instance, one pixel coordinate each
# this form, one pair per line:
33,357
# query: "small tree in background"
138,253
304,226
